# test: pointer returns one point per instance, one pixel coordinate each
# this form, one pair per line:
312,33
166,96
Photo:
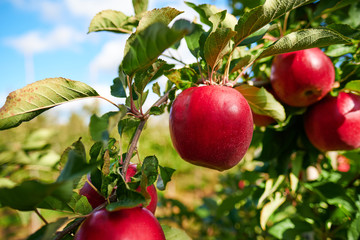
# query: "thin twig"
133,146
108,100
174,58
40,216
285,22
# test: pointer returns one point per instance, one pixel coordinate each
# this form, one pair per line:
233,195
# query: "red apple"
93,197
334,123
241,184
303,77
211,126
133,223
150,189
343,163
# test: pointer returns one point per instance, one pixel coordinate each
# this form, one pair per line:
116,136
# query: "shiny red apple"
125,224
303,77
334,123
150,189
95,199
211,126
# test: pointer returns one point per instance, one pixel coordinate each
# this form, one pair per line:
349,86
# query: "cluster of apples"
212,126
129,223
304,79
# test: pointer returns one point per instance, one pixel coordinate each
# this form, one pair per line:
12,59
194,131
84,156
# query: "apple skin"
125,224
95,199
150,189
303,77
211,126
334,123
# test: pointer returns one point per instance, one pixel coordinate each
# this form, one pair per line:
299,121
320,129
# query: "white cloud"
108,59
37,42
88,8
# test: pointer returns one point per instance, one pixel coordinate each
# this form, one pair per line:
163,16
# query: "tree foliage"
284,188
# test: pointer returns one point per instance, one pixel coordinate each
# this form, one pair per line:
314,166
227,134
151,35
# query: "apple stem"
285,23
40,216
132,105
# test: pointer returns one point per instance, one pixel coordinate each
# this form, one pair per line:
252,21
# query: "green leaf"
80,204
354,230
154,110
165,177
270,188
230,201
140,6
262,15
262,102
159,15
206,11
149,168
183,77
217,19
192,40
172,233
26,103
339,50
345,30
290,228
304,39
112,21
28,195
142,78
326,7
126,198
148,45
128,126
353,86
270,208
334,194
118,89
217,46
48,231
76,164
256,36
38,139
156,89
101,127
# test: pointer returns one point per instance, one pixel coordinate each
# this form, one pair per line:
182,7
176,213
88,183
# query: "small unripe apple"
303,77
211,126
150,189
133,223
334,123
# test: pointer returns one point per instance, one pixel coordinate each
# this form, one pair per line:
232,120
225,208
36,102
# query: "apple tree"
273,97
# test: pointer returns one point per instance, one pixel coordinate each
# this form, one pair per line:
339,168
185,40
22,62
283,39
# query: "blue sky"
48,38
